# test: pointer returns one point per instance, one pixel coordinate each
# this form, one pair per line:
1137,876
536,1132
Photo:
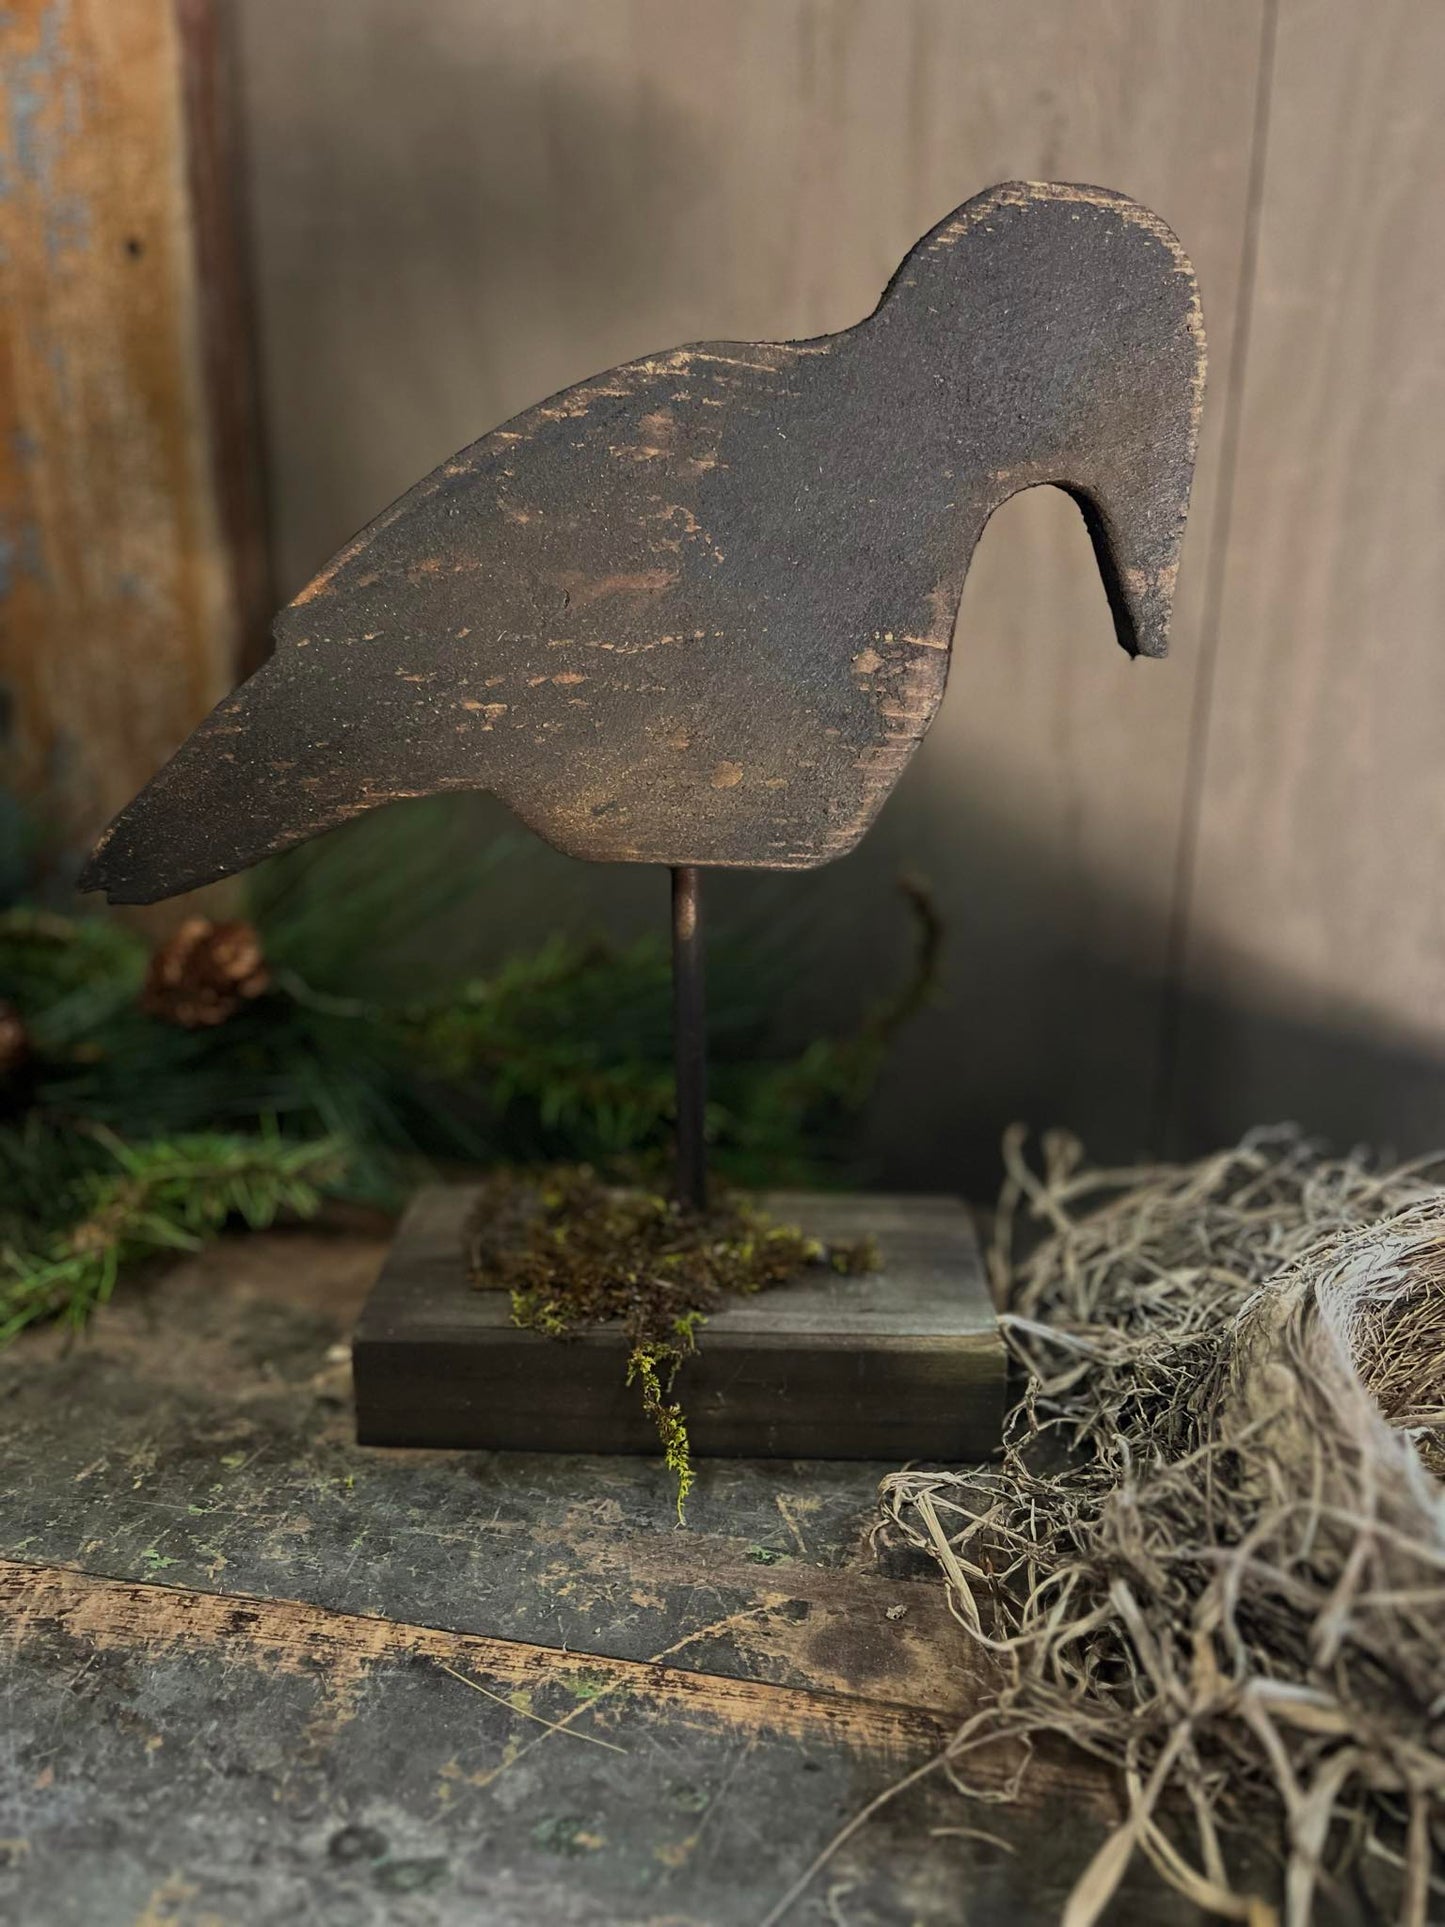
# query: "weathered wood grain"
176,1756
116,592
1316,949
226,1460
109,1615
256,1672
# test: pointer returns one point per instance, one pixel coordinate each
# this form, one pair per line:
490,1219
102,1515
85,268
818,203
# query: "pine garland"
148,1199
146,1100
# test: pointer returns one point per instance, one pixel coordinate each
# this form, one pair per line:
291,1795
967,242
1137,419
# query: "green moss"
573,1252
589,1686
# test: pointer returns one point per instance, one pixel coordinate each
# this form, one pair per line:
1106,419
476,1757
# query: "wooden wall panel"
117,627
1316,961
463,204
460,207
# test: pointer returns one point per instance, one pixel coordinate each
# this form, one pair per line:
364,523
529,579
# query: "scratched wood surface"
1316,959
255,1673
119,613
553,189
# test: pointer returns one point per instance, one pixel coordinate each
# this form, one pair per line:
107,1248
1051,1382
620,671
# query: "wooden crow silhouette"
699,609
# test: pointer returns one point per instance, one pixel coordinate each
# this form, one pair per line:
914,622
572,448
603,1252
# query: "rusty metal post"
689,1037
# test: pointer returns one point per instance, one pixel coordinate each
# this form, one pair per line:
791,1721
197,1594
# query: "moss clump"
574,1252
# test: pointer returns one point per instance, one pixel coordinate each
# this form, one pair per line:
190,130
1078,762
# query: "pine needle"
526,1712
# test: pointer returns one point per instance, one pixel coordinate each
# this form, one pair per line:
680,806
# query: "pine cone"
14,1043
205,972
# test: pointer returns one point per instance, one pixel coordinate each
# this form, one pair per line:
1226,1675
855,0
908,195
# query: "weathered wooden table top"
255,1673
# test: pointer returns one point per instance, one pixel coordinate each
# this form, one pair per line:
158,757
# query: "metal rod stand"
689,1038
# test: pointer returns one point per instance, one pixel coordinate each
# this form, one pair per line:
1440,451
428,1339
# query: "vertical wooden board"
117,619
1048,799
460,209
216,180
1316,959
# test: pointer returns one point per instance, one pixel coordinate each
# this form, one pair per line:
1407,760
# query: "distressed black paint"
699,609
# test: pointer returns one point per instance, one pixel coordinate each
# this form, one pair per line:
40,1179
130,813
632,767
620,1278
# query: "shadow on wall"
414,296
1054,1033
418,285
1343,1080
1037,1021
1049,1017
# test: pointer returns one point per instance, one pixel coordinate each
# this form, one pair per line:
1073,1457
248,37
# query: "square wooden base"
905,1362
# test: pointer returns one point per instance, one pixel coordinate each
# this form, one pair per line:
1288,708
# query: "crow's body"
699,609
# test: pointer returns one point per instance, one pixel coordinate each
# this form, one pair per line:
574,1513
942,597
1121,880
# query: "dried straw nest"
1214,1551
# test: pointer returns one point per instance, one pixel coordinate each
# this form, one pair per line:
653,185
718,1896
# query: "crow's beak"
1139,562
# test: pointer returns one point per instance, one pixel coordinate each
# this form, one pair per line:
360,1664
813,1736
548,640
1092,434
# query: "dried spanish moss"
575,1252
1214,1554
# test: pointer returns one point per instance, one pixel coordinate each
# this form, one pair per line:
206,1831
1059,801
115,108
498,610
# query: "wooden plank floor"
256,1673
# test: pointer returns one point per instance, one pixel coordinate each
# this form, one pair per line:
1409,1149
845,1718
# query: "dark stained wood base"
903,1363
